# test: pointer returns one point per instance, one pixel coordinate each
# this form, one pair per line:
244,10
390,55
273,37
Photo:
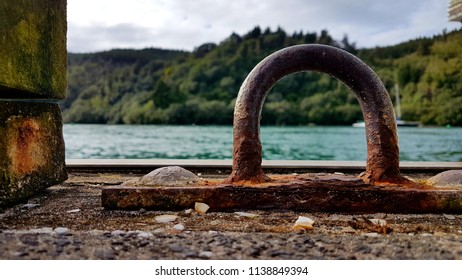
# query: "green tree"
176,87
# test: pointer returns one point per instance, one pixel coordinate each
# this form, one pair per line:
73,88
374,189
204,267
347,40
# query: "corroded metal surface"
312,192
382,141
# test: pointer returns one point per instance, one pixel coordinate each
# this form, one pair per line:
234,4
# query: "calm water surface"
216,142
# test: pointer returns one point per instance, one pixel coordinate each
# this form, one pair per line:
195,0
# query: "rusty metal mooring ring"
382,164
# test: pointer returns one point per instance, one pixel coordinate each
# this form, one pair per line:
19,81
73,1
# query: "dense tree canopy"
175,87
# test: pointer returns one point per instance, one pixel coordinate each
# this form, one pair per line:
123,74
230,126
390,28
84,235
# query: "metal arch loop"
382,164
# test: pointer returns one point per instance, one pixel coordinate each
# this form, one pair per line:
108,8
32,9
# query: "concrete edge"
133,165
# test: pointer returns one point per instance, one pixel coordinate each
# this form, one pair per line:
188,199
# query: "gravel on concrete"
67,221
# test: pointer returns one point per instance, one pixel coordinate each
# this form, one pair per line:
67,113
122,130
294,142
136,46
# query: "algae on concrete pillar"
33,65
33,53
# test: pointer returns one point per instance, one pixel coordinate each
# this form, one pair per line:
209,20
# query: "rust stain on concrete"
27,147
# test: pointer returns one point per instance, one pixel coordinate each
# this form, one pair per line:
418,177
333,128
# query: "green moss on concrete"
33,55
452,205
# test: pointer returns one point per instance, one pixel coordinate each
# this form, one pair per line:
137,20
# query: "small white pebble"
449,217
371,234
166,218
247,215
303,223
188,211
201,208
205,254
179,227
61,230
73,210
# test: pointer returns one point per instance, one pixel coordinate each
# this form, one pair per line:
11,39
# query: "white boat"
399,121
359,124
407,123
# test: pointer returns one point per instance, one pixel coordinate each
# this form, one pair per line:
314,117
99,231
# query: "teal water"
216,142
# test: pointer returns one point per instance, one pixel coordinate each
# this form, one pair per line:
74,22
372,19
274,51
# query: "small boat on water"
399,121
359,124
407,123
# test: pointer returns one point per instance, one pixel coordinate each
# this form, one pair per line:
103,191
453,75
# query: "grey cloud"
191,23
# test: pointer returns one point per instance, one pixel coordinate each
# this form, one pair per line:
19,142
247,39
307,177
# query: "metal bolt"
382,141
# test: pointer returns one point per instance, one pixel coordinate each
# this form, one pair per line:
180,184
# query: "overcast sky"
95,25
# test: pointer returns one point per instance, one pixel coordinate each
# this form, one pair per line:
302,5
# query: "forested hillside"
165,86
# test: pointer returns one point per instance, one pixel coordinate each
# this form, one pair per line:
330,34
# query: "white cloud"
182,24
101,37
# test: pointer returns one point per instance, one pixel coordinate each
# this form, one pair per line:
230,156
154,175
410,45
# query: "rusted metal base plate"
312,193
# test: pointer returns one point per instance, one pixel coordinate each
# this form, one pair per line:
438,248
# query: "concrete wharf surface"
66,221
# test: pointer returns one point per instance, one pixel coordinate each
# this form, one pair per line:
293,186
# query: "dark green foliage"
162,86
428,72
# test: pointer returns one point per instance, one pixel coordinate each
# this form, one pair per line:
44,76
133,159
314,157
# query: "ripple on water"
216,142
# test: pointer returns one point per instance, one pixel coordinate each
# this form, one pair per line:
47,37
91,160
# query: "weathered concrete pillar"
32,79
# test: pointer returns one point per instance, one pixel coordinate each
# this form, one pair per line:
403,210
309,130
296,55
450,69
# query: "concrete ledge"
282,166
31,149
